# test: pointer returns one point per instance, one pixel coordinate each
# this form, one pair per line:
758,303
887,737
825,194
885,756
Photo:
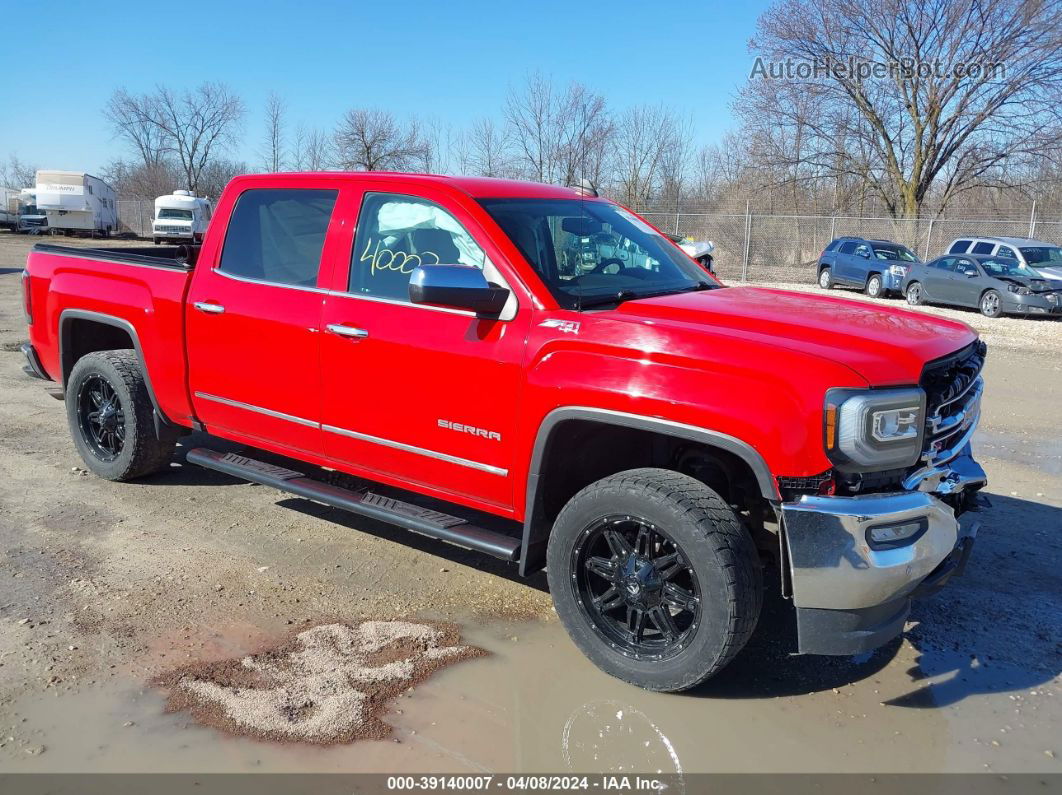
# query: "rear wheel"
654,578
825,279
873,286
915,296
991,304
111,418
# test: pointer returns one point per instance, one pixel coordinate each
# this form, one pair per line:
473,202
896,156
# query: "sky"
452,61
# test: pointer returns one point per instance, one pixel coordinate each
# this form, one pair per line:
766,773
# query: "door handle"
347,331
209,308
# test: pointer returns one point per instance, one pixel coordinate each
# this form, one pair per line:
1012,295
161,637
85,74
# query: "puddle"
536,705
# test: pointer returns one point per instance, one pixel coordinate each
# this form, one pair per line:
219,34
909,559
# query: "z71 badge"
566,326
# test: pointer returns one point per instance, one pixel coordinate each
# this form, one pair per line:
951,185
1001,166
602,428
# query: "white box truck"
77,202
180,217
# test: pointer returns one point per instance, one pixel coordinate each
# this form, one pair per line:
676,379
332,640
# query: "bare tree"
373,140
312,150
648,147
134,180
558,136
132,119
192,127
274,144
912,96
17,174
487,151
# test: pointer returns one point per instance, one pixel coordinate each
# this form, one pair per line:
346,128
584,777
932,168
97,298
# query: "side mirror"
457,286
864,254
971,274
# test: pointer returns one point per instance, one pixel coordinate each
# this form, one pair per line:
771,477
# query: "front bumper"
1033,304
850,597
891,282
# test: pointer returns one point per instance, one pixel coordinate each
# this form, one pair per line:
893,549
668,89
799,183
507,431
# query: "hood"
885,345
1053,273
1036,285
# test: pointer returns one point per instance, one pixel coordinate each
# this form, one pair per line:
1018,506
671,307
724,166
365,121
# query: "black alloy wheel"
638,590
101,418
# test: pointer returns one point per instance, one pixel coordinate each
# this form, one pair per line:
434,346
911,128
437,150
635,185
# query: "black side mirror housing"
458,287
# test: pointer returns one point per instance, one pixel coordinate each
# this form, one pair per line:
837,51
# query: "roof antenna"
585,188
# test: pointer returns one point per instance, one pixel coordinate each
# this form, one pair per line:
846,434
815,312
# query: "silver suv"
1044,257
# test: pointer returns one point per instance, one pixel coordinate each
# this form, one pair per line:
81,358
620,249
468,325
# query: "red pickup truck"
537,373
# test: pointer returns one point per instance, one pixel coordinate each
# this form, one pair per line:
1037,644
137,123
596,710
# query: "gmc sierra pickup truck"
537,373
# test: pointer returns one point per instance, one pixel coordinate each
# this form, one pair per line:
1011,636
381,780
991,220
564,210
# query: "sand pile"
328,684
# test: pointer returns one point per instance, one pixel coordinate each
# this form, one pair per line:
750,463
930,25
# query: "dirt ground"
104,586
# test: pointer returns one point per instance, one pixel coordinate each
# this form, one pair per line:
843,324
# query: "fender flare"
108,320
535,530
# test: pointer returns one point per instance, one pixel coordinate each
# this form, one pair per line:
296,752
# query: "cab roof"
476,187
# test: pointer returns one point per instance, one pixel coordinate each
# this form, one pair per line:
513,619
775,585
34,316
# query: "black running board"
365,503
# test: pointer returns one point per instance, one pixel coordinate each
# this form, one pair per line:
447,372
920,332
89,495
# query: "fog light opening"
896,534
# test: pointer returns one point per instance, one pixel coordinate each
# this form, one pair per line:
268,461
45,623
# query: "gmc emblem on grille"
460,428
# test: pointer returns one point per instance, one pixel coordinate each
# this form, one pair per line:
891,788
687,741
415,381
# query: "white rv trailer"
8,209
77,202
180,217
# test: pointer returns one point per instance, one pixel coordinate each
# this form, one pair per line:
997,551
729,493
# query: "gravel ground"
104,586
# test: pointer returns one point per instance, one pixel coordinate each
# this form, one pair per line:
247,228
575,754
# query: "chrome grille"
953,388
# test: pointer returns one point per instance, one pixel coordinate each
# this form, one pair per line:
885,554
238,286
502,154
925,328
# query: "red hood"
883,344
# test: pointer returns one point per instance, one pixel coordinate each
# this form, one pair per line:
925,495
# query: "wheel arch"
734,459
101,333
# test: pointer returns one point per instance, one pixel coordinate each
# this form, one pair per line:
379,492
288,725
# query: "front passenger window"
396,234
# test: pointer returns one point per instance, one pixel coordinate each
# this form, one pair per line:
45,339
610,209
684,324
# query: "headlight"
1017,288
898,270
868,430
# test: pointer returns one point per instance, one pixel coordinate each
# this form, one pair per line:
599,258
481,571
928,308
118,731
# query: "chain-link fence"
786,248
770,247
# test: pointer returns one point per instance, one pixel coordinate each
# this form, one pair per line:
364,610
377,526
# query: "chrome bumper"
850,597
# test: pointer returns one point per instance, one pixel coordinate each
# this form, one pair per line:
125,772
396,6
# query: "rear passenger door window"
396,234
959,247
983,248
276,236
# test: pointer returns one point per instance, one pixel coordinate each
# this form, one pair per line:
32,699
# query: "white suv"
1044,257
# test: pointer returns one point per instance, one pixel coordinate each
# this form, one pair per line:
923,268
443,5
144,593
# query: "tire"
155,240
826,279
873,286
695,532
991,304
138,451
915,296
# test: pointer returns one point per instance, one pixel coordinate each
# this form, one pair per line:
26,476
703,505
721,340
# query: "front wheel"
654,578
873,288
991,304
825,279
915,296
111,417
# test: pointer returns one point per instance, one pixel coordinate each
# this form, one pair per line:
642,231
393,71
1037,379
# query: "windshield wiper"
601,300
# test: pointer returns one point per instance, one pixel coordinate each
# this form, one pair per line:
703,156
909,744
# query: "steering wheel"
600,267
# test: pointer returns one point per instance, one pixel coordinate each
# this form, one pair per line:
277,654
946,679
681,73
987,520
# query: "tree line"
900,143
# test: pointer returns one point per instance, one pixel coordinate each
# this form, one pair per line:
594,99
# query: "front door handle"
347,331
209,308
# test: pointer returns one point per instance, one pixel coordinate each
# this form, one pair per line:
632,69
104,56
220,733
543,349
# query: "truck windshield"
180,215
591,253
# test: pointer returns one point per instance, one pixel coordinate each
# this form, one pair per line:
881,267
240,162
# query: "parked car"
180,217
652,438
877,267
995,285
1043,257
699,250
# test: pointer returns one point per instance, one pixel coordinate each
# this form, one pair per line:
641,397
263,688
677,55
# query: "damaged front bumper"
852,594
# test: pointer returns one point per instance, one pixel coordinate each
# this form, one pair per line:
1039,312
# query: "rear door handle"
209,308
347,331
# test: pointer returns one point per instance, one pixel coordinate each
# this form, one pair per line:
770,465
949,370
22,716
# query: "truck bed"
154,256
